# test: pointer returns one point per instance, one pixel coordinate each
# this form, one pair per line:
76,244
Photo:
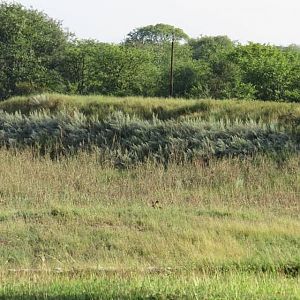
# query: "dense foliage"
31,46
37,55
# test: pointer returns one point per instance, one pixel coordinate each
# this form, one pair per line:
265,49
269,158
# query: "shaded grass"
128,141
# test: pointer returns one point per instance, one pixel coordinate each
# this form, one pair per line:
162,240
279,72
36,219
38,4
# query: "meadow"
197,225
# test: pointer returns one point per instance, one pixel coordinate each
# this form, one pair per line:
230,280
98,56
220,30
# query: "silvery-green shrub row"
130,140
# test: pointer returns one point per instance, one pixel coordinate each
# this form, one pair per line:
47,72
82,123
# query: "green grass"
229,231
145,108
76,227
193,286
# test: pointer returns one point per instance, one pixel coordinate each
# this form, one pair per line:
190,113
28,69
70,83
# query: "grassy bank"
105,198
230,229
163,109
135,130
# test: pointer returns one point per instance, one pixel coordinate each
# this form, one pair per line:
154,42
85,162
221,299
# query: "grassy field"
79,228
205,205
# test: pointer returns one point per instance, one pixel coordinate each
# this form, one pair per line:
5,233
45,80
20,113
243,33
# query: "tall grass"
145,108
77,228
209,211
130,141
77,213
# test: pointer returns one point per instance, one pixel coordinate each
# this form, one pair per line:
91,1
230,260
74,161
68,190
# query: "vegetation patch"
78,223
160,108
126,141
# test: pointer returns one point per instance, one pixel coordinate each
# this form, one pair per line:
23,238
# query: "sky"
264,21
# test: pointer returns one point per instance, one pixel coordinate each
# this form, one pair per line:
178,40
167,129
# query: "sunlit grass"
161,107
79,213
129,286
76,227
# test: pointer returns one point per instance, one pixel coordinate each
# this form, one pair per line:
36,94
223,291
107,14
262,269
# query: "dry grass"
27,182
147,107
80,229
77,213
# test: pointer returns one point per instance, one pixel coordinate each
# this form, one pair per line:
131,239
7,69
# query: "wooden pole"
171,90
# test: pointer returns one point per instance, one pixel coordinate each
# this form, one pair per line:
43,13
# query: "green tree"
223,78
76,65
267,68
126,71
182,57
292,92
211,47
31,45
155,34
91,67
190,79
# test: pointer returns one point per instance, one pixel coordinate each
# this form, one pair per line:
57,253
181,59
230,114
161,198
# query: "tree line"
37,55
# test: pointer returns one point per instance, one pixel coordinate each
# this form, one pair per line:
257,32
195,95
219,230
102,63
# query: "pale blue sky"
265,21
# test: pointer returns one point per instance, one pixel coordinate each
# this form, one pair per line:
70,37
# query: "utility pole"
171,90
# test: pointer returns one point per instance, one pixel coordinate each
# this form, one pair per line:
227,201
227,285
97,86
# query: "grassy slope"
75,229
146,107
235,225
218,128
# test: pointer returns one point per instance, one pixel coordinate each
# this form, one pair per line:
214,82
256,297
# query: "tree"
190,79
125,71
155,34
223,74
76,65
91,67
292,92
267,68
31,45
211,47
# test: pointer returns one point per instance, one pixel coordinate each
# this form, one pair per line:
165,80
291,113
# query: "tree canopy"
30,46
156,34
